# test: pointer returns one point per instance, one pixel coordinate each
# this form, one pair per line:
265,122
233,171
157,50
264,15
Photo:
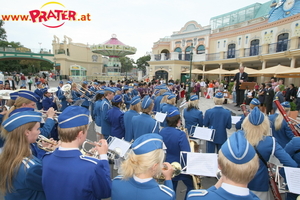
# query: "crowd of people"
126,110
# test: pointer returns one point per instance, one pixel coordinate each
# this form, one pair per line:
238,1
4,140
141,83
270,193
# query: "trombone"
82,92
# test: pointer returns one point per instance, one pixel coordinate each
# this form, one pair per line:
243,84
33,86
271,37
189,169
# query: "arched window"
178,49
282,42
254,48
187,53
201,49
231,51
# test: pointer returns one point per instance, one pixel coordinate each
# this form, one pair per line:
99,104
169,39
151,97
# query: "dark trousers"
298,104
188,183
211,147
240,96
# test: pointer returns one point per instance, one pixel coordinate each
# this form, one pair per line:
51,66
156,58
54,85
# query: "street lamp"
191,60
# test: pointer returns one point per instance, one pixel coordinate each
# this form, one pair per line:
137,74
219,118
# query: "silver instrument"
57,102
67,91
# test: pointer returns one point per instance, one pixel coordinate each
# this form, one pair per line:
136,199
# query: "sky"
137,23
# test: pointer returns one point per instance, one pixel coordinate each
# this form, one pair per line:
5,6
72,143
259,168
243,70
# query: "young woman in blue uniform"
219,119
39,91
97,112
144,161
176,141
126,96
135,109
105,105
256,128
170,104
254,103
238,163
20,171
144,123
67,174
293,149
192,115
115,117
48,101
280,129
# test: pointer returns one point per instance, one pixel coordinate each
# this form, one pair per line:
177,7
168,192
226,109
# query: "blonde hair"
136,107
162,91
171,101
254,134
279,119
140,164
70,134
238,173
193,104
16,148
149,109
164,99
18,104
218,101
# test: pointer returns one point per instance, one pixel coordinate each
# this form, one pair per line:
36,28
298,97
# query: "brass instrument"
42,139
111,154
177,170
78,87
57,102
67,91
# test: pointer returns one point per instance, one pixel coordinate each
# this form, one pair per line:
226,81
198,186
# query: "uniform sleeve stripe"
84,158
25,163
163,188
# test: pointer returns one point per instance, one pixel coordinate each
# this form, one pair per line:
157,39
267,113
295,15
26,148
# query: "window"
254,48
231,51
282,42
201,49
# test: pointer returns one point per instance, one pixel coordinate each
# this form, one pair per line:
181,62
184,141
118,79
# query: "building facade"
257,36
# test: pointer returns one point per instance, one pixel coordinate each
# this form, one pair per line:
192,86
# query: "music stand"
247,86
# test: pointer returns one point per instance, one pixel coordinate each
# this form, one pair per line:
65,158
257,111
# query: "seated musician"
238,163
48,101
280,129
20,171
254,103
144,161
176,141
39,91
67,174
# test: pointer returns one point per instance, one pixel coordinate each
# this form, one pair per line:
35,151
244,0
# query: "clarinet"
287,119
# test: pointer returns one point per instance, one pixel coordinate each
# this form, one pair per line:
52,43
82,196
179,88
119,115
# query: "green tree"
2,31
142,63
126,64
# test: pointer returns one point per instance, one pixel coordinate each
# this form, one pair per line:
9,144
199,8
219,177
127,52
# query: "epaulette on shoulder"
166,190
90,159
197,193
119,177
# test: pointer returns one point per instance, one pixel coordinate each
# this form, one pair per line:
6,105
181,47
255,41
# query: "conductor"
240,78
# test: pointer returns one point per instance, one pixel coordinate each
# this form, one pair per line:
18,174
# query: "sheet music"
121,144
203,133
160,117
235,119
205,164
292,178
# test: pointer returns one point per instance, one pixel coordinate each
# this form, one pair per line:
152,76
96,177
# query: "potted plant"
293,113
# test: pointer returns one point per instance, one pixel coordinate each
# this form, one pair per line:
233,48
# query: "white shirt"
241,191
140,180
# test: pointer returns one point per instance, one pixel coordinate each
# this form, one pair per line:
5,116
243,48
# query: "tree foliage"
142,63
127,64
2,31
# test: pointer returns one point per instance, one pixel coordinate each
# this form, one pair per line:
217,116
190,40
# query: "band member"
115,117
254,103
159,97
256,128
40,92
62,97
20,171
293,149
144,123
192,115
219,119
176,141
85,94
135,109
97,112
105,105
280,129
163,101
126,96
238,163
48,101
144,161
85,177
170,104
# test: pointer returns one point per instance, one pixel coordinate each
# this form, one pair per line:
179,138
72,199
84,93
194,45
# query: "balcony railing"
252,51
213,56
283,45
25,50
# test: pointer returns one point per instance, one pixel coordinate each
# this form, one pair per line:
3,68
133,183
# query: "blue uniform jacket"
48,103
157,103
28,181
104,107
143,124
165,108
63,100
97,112
40,93
193,117
114,117
238,125
219,119
47,127
133,190
284,134
260,182
218,194
70,175
128,124
134,92
292,147
127,100
175,141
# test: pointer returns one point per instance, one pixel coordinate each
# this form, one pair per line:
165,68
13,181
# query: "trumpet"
177,170
42,139
111,154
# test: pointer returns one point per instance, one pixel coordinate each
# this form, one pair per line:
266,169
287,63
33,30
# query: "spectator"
23,79
291,93
29,82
